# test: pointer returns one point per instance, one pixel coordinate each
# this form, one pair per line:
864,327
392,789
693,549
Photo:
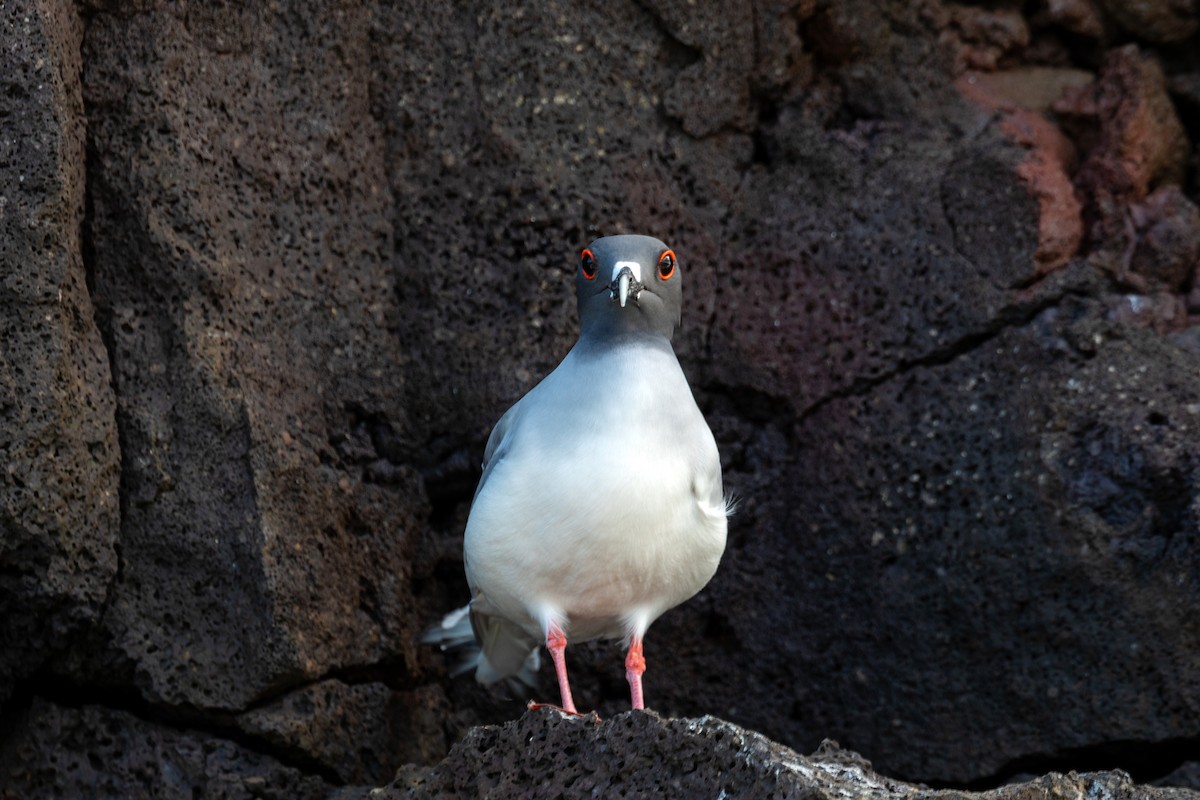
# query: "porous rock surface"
98,752
255,552
59,459
270,272
548,755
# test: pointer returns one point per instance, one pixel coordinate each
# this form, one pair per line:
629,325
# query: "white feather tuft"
732,501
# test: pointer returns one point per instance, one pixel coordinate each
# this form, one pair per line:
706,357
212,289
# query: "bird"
601,503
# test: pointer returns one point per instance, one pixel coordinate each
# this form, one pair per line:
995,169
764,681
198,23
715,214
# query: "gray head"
628,284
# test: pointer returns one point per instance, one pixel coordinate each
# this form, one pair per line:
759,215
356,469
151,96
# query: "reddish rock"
1044,172
1045,169
1030,88
1132,138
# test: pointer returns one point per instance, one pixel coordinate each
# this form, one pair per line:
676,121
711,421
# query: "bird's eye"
587,265
666,265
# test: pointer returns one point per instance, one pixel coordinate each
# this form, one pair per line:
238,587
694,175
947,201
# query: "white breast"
605,508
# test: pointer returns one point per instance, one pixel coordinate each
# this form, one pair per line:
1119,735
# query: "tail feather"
494,648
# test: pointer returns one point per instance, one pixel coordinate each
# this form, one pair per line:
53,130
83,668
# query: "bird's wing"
497,443
707,488
497,446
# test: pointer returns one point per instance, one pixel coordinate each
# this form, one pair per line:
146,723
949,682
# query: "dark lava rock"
242,277
98,752
547,755
1013,565
365,732
59,510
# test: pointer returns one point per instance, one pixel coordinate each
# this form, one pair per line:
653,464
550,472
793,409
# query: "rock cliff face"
59,513
270,272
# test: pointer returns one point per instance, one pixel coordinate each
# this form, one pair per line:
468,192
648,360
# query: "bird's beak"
626,281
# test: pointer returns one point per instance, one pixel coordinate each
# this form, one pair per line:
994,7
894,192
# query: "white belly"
598,522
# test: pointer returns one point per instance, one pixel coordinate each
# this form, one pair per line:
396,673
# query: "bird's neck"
624,324
593,340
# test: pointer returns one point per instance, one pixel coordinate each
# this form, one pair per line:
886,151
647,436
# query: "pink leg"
635,665
556,643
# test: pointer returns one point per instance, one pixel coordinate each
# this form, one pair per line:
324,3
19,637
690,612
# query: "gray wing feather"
497,443
506,649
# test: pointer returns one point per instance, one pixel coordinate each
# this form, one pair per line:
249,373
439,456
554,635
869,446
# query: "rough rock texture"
364,732
59,463
98,752
1075,491
1134,139
547,755
307,253
1166,246
1019,96
243,279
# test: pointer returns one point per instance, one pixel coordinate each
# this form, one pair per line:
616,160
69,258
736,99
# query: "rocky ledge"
546,754
96,752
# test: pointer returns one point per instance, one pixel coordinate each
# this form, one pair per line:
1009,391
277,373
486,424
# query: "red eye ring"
666,265
587,264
